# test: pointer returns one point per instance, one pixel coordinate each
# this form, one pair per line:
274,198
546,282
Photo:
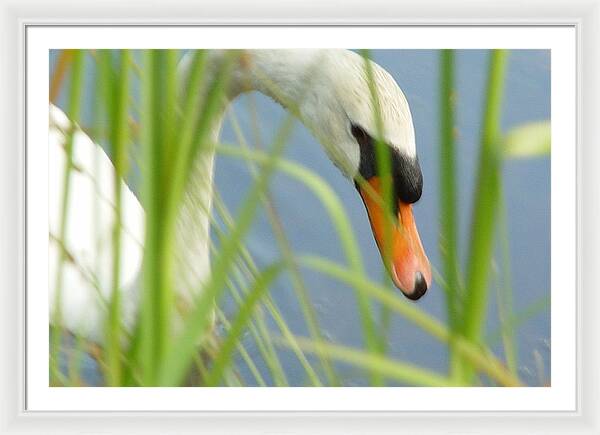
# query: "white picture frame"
15,418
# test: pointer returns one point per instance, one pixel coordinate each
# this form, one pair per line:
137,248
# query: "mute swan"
332,92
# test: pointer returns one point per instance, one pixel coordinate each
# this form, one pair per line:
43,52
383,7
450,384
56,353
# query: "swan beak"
408,265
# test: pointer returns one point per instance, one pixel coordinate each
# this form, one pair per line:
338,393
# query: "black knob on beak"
420,287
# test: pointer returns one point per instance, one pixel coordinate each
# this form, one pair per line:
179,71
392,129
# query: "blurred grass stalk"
301,291
477,356
175,365
384,168
157,266
449,203
171,141
504,291
73,112
117,92
485,208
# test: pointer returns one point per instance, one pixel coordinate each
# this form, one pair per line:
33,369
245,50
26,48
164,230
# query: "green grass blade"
244,272
213,104
250,363
151,189
174,367
529,140
308,311
505,291
75,362
257,327
383,157
223,358
449,199
193,104
161,150
168,115
166,88
74,107
485,207
384,170
480,357
334,209
516,319
321,189
119,141
375,363
198,112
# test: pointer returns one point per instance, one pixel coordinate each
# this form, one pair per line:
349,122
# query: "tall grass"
301,291
118,98
449,199
485,206
174,345
74,107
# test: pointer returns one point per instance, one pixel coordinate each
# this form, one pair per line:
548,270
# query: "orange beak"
406,261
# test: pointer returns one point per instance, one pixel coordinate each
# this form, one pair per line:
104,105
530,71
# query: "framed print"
282,225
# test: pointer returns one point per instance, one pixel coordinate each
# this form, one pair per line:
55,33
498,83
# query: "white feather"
87,270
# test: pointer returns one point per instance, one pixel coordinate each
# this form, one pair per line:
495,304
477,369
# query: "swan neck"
276,73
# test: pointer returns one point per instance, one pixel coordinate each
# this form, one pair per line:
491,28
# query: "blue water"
526,186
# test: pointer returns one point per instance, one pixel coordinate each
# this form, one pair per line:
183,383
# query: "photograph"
299,217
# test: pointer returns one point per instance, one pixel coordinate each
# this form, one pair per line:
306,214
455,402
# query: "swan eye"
405,171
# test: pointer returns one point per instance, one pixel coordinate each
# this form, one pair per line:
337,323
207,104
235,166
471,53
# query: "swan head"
329,90
340,110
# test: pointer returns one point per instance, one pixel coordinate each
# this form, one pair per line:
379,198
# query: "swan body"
330,93
87,270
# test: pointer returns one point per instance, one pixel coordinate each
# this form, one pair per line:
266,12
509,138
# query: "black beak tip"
419,289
